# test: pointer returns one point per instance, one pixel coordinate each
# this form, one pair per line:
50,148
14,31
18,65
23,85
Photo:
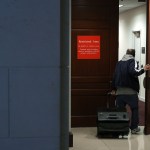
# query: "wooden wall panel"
147,95
91,78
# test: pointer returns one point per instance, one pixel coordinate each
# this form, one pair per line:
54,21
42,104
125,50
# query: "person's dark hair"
131,52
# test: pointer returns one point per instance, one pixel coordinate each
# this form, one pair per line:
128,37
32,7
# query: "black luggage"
112,122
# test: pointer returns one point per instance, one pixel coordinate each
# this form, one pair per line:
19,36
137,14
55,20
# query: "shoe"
136,130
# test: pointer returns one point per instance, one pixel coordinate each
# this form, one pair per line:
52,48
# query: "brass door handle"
144,82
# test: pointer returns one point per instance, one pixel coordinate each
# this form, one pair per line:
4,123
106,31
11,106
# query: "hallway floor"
85,139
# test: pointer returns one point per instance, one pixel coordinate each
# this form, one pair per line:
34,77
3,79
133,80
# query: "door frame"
147,83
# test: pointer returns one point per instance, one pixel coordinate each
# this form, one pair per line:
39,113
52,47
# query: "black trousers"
132,101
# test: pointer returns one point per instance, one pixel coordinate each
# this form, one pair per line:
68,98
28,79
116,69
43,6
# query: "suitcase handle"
112,117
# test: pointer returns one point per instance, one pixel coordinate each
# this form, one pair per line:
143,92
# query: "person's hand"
113,92
147,67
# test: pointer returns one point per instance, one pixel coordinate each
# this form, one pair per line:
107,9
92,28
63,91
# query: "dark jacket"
126,73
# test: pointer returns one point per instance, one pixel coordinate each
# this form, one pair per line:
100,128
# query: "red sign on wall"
88,47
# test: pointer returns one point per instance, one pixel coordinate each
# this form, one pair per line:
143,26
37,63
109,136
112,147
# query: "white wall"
133,20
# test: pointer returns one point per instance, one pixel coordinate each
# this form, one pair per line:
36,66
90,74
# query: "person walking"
125,84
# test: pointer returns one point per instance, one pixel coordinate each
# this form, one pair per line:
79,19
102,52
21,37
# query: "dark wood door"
147,96
91,78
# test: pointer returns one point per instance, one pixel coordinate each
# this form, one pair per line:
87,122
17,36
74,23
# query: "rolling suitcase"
112,122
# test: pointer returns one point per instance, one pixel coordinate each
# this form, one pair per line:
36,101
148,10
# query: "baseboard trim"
70,139
142,99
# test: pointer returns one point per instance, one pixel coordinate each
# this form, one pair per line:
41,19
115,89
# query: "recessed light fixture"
120,5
